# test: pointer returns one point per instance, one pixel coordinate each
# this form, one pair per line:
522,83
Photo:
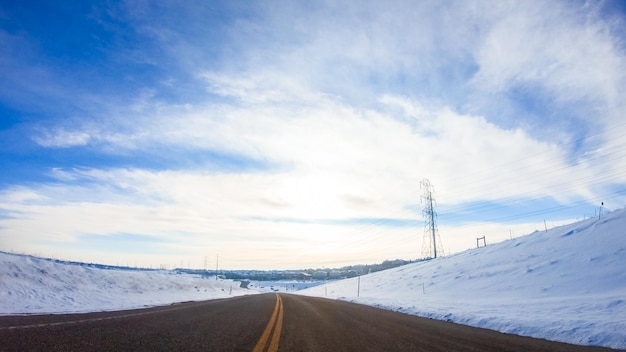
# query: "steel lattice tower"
431,243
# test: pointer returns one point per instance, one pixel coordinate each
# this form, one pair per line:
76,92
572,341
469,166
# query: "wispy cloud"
62,138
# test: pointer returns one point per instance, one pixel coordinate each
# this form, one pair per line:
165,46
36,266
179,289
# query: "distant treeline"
303,274
260,275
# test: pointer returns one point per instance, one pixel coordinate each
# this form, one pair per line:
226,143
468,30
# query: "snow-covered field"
287,286
567,284
30,285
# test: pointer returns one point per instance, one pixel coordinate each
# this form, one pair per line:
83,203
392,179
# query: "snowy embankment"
30,285
567,284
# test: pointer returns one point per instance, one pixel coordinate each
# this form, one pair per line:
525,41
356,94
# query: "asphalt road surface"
267,322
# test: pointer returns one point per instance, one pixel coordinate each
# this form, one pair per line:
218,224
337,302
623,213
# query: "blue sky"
284,134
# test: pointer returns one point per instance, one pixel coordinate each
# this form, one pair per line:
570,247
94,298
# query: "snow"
30,285
286,286
566,284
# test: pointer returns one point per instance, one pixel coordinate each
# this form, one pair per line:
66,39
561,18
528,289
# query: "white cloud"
576,57
62,138
21,194
568,72
328,155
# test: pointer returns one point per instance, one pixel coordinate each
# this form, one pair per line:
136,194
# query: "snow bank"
30,285
567,284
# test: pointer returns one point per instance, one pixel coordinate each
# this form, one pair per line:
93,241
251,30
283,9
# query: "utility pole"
432,221
431,239
600,211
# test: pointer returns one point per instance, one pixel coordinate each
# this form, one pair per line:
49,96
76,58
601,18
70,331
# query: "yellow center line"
279,325
276,324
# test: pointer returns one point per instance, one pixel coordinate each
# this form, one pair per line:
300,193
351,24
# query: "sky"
282,134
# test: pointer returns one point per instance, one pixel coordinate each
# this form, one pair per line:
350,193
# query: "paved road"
266,322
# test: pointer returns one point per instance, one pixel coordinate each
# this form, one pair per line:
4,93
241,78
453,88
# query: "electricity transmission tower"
431,243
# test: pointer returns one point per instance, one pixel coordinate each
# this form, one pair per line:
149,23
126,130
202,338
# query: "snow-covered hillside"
567,284
30,285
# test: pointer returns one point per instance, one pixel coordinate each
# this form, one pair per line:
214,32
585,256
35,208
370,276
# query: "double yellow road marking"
275,324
